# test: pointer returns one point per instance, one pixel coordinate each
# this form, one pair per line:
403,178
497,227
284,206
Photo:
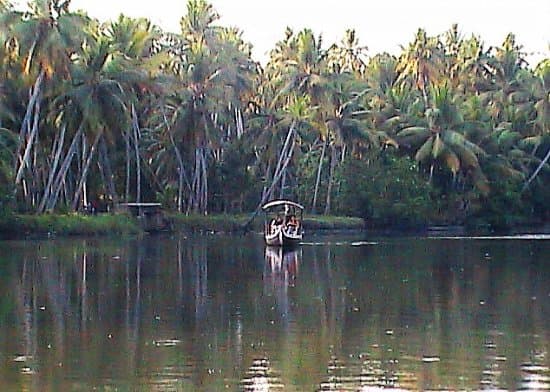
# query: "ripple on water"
261,377
170,378
360,373
167,342
535,377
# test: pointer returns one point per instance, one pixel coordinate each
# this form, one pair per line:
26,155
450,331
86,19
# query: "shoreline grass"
123,224
68,225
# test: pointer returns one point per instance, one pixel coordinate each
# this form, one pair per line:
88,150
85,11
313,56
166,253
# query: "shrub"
386,190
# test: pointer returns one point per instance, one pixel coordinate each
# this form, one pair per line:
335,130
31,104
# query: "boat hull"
283,237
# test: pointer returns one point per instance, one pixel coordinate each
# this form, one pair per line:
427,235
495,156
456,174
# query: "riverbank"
123,224
67,225
236,223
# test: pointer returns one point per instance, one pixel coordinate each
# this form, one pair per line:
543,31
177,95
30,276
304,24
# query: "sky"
382,26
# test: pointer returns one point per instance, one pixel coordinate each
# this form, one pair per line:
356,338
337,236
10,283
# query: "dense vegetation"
449,131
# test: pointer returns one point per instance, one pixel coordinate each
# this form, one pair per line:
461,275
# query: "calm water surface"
224,313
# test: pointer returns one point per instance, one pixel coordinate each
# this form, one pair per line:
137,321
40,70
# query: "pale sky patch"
382,26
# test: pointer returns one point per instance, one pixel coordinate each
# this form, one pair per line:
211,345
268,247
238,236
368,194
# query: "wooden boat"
283,223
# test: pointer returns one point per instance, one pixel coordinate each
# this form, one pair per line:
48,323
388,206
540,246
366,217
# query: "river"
218,312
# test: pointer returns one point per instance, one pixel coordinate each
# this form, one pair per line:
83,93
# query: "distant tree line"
449,131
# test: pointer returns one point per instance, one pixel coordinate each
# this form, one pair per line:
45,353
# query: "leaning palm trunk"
106,170
58,148
181,174
24,159
61,175
193,202
21,159
204,184
84,174
136,130
283,185
536,172
330,179
284,160
181,169
318,179
199,191
277,174
128,159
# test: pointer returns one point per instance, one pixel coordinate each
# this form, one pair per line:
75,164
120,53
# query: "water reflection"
217,313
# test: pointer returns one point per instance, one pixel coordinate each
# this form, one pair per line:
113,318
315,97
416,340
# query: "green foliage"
72,224
127,98
385,190
5,191
211,223
234,185
505,206
6,180
307,169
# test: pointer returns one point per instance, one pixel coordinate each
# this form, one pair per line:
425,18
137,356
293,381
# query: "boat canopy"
276,203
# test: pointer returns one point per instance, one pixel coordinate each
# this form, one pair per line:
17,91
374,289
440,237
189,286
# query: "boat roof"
141,204
276,203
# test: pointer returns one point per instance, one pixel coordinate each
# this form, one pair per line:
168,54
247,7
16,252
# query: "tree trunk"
84,174
181,170
277,176
204,207
536,172
135,126
239,122
61,175
58,149
330,179
106,169
128,158
283,185
318,179
26,123
24,159
283,154
200,182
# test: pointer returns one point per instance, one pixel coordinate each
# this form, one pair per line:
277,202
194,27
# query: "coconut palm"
541,123
137,41
211,66
438,140
47,35
348,56
422,63
298,65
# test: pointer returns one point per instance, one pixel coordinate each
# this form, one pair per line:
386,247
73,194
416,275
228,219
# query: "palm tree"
348,56
137,41
211,65
471,68
298,66
48,35
541,124
422,63
438,139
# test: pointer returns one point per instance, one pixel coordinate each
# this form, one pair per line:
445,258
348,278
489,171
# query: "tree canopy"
124,111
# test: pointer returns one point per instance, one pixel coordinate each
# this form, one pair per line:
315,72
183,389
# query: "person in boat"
276,222
292,223
292,220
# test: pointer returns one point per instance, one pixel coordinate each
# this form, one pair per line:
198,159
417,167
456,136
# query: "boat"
283,223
